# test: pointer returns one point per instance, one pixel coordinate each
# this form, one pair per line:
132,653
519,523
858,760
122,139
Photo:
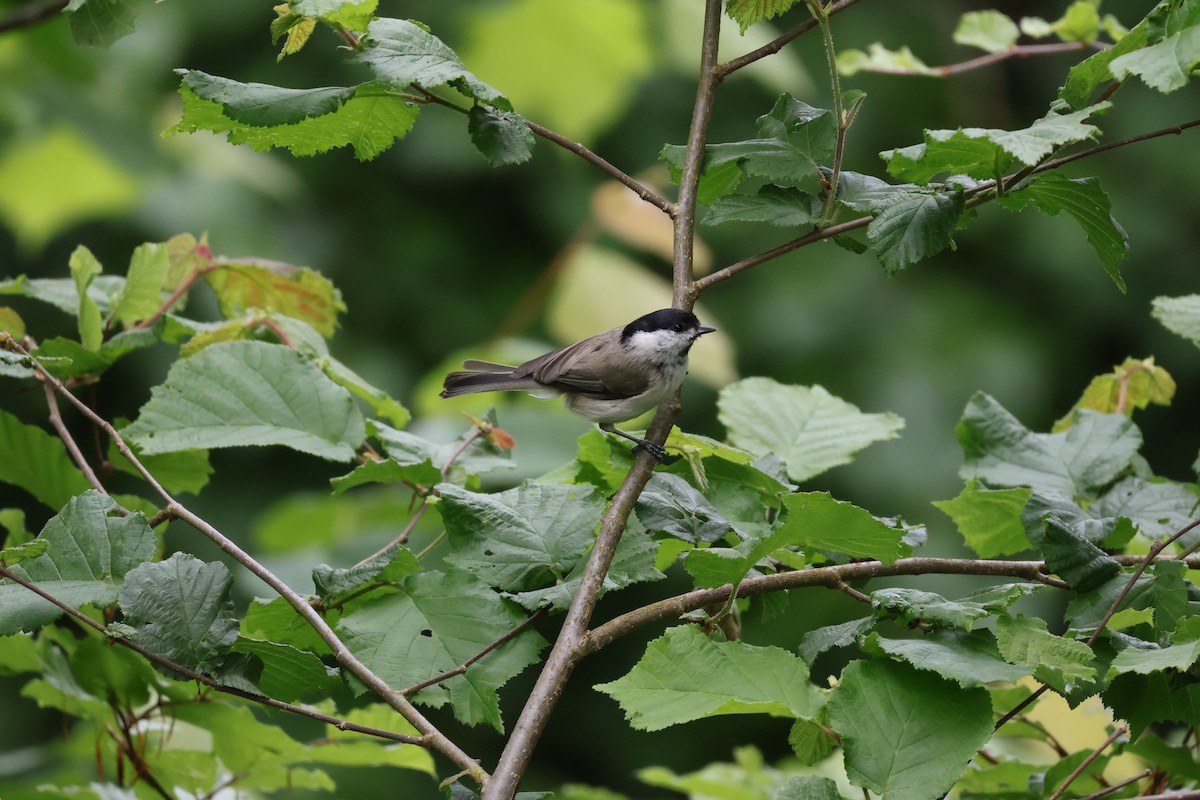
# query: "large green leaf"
1180,315
633,562
685,676
672,506
369,122
1165,66
1074,558
809,428
297,292
1055,660
1001,451
914,225
1087,204
435,624
180,608
101,22
748,12
776,205
916,607
967,658
907,734
402,53
816,520
90,551
989,519
988,30
143,291
263,105
522,539
37,462
249,393
503,137
289,673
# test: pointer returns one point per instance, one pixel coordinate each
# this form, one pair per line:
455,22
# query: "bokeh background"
438,255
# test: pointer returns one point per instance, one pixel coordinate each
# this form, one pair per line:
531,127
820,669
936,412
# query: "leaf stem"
821,15
1120,731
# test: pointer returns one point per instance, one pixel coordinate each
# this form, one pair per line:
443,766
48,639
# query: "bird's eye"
677,327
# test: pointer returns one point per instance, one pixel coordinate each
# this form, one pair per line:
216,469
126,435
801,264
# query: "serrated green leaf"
84,269
1164,66
989,519
523,539
986,152
65,358
401,53
37,462
435,624
387,470
776,205
1179,315
843,634
907,734
390,566
812,430
632,563
1088,455
262,105
100,23
1094,71
1179,657
878,58
967,658
1087,204
1079,23
464,458
916,606
180,609
144,283
288,673
90,551
24,551
1158,508
1055,660
503,137
913,226
1134,384
747,12
685,676
671,506
816,520
988,30
369,122
1142,700
249,393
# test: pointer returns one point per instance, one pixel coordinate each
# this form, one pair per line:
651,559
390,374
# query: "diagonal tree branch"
30,14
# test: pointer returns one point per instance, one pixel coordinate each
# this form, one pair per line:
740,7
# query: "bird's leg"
650,447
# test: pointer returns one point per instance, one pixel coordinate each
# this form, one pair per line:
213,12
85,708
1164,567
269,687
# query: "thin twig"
1118,785
777,44
207,680
821,15
1015,51
436,739
464,666
1120,731
179,291
56,421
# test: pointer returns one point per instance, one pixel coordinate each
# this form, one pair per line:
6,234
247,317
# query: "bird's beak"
703,329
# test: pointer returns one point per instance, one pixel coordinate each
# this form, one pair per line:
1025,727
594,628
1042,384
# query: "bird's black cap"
665,319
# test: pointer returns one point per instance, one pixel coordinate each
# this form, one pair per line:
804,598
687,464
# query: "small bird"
610,377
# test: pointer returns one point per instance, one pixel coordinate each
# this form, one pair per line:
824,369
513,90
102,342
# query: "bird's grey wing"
475,365
568,370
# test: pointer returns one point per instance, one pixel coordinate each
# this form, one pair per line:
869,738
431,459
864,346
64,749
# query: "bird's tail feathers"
469,382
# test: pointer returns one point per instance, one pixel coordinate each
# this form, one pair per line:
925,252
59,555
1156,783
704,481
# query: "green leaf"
142,294
180,609
1001,451
1087,204
90,550
907,734
1094,71
297,292
967,658
263,105
747,12
913,226
843,634
685,676
671,506
1164,66
1142,700
1080,22
1159,508
288,673
84,269
632,563
353,14
387,471
1070,555
401,53
1133,384
37,462
369,122
989,519
988,30
522,539
99,23
1055,660
473,458
914,606
880,59
809,428
776,205
503,137
985,153
390,566
17,553
435,624
816,520
1179,315
249,393
1179,657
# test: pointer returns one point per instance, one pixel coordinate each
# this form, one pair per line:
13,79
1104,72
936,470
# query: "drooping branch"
987,59
30,14
775,45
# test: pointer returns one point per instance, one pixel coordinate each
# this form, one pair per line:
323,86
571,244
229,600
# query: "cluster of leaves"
932,671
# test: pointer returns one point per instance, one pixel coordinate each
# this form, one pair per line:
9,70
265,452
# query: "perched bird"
610,377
